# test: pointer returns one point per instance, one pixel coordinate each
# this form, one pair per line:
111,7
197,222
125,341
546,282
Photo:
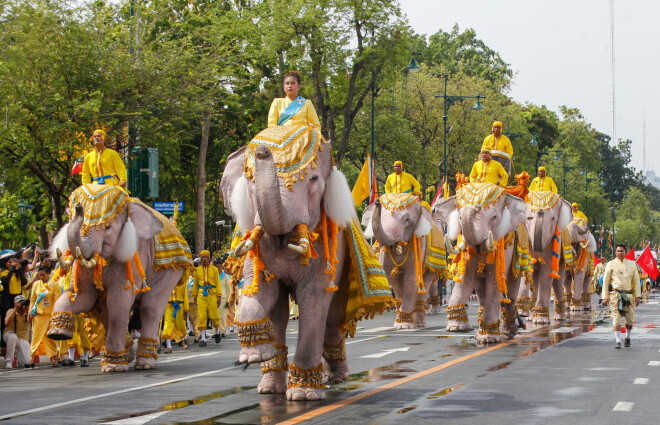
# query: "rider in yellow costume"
103,165
400,182
488,171
207,291
292,109
500,147
542,182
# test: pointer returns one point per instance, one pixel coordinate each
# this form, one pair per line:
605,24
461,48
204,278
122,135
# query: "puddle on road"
445,391
406,409
499,366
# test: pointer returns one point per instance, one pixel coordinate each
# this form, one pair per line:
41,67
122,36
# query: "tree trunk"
43,234
201,181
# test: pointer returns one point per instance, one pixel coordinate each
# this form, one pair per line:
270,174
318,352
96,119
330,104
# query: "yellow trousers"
207,308
629,315
39,329
222,311
80,337
174,328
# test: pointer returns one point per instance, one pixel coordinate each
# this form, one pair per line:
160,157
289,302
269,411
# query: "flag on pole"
631,255
365,185
647,263
77,166
609,240
596,260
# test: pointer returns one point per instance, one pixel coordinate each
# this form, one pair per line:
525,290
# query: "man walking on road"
620,284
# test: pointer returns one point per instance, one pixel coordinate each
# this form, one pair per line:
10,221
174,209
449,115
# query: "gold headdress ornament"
205,252
398,163
101,204
497,124
482,194
485,149
396,201
294,148
541,168
542,200
574,204
99,131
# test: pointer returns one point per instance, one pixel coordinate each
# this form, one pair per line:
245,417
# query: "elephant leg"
421,300
540,311
560,298
306,370
114,357
152,308
435,294
576,301
255,328
586,292
489,326
523,295
334,345
273,371
510,325
567,283
457,319
405,316
62,322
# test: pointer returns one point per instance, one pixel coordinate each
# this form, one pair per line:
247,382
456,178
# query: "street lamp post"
25,211
533,142
448,102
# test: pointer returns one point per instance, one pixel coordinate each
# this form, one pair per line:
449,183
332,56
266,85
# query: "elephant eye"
314,178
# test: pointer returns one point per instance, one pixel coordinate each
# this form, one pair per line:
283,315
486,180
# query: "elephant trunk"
582,230
469,231
75,238
267,193
537,242
380,234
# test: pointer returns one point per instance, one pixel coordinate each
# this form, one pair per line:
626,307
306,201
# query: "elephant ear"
565,215
147,225
514,213
367,215
234,188
446,213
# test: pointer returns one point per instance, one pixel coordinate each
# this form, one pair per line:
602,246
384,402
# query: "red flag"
77,166
647,263
631,255
596,261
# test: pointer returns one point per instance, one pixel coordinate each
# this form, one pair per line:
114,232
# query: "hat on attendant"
497,124
99,131
541,168
398,163
574,204
485,149
205,252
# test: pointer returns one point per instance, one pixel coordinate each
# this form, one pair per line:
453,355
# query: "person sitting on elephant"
176,315
500,146
42,300
543,183
208,292
577,212
292,109
401,182
103,166
488,171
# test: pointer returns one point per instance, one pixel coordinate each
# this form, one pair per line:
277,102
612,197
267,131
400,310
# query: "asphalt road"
568,372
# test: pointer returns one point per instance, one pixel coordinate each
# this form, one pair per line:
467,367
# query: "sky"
560,51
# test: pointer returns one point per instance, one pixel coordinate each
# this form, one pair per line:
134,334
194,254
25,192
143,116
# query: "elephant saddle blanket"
369,291
436,254
482,194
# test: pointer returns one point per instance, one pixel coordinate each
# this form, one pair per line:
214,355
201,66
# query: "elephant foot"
130,348
144,363
587,305
483,339
420,319
257,341
435,308
559,316
458,326
541,321
61,326
305,394
577,308
111,367
510,329
305,384
523,313
59,334
404,320
336,373
272,382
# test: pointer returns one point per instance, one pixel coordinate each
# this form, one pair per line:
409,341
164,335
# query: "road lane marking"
178,358
623,406
341,403
385,353
654,363
137,420
641,381
382,328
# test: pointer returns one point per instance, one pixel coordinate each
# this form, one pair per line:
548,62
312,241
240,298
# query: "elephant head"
105,222
548,212
394,217
580,234
277,187
480,223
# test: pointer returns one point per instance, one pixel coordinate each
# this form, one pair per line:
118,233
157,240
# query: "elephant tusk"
490,243
297,248
63,264
584,244
85,263
244,247
459,248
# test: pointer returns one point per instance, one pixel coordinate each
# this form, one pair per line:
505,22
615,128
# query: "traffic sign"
168,207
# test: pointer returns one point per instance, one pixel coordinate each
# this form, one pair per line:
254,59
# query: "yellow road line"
325,409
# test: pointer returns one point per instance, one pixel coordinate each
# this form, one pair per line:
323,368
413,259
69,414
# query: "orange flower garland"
555,255
500,271
419,273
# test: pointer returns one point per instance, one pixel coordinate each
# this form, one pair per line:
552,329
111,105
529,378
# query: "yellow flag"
361,188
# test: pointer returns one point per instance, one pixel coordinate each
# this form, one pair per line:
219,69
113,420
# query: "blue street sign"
167,207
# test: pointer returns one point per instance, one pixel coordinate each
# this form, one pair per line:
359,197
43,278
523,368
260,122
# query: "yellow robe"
401,183
207,305
540,184
41,319
81,338
108,163
581,215
492,172
175,328
306,115
14,283
498,147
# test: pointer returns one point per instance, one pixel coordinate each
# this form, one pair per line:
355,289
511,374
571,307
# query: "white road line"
385,353
383,328
111,393
563,330
623,406
641,381
654,363
178,358
365,339
138,420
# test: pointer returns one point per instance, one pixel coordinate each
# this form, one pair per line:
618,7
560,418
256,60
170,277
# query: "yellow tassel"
395,271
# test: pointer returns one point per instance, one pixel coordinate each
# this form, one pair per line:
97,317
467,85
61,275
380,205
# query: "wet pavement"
568,372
